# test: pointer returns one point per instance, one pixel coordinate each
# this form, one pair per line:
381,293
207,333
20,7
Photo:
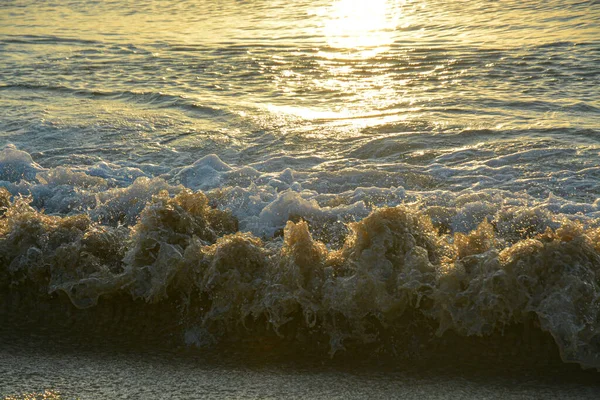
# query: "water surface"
336,176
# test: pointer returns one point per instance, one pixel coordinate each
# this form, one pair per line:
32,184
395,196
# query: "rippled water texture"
371,84
414,178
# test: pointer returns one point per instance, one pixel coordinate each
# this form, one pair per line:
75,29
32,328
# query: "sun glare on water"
362,27
352,32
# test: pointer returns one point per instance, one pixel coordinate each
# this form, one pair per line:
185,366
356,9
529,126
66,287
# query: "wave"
157,99
46,39
204,281
211,253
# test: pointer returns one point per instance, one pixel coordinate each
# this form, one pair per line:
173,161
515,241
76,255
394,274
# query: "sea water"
409,180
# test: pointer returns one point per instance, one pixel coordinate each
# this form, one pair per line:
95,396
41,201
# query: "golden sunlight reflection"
365,26
307,113
351,121
355,32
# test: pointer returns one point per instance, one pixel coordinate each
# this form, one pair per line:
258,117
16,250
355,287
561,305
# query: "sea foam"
242,261
348,269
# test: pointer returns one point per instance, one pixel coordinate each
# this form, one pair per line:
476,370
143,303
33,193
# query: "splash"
395,269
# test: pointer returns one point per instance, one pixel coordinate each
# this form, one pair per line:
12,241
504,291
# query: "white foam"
16,165
264,200
204,174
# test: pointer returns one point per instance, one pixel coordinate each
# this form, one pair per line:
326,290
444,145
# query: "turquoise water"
334,175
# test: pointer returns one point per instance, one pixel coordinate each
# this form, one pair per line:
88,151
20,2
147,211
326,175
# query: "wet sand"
76,370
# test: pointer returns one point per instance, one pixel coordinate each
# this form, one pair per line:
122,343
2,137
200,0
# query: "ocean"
318,199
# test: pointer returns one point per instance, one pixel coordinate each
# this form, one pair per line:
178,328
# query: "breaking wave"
361,268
